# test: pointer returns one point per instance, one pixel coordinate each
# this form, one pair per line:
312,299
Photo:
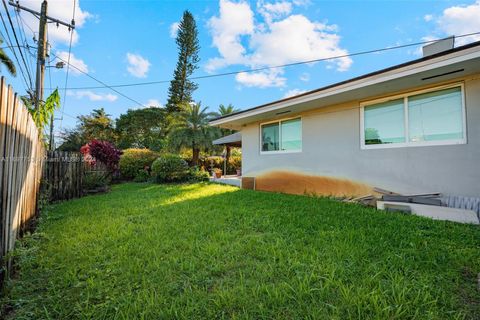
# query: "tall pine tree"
181,88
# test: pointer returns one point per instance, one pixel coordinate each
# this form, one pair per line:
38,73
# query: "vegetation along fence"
21,155
62,177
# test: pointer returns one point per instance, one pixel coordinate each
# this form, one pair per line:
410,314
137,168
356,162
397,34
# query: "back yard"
210,251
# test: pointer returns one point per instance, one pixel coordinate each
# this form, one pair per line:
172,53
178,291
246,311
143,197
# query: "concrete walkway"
232,180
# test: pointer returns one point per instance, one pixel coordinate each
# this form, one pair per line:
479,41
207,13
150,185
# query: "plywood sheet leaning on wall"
299,183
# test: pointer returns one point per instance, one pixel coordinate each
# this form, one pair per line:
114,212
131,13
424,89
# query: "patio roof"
232,140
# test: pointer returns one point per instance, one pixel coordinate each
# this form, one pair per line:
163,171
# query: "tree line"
151,128
181,124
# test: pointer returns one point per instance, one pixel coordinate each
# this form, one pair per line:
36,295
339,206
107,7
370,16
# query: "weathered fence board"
21,155
62,177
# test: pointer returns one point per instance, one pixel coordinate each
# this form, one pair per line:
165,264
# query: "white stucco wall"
331,147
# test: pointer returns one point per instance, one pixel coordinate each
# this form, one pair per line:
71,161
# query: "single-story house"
412,128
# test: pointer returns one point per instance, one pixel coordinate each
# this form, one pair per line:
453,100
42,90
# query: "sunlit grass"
147,251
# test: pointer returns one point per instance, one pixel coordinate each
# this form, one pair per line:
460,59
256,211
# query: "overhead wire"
104,85
274,67
112,87
68,64
12,47
23,38
17,42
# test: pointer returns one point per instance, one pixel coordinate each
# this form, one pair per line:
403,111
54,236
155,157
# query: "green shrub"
235,162
170,168
198,175
217,162
134,160
95,179
142,176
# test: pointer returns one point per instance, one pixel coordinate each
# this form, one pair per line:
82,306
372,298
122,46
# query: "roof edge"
367,75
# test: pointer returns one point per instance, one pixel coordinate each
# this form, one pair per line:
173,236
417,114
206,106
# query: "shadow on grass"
212,251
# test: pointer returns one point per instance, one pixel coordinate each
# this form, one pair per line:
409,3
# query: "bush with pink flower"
102,151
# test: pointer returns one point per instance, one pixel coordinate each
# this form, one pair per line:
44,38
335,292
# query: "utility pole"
42,50
41,54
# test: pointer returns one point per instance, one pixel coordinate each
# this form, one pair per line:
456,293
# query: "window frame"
279,121
407,142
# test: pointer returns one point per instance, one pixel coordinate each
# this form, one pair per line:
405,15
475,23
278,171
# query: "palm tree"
226,110
6,61
192,130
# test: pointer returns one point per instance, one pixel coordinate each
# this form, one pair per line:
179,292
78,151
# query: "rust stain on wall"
248,183
298,183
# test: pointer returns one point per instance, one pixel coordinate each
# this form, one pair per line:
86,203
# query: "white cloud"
62,10
296,38
77,66
138,66
153,103
92,96
262,79
275,10
428,17
235,21
281,38
305,77
293,92
174,29
457,20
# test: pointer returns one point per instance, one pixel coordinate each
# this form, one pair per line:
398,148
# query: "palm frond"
8,63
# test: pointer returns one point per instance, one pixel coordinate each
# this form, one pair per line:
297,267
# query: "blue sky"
131,41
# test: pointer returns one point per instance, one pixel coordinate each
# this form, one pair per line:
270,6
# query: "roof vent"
438,46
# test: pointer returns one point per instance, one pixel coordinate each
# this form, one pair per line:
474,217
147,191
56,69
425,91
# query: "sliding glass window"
284,135
436,116
429,118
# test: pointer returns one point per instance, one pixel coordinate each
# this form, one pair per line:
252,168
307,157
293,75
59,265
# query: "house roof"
231,140
449,64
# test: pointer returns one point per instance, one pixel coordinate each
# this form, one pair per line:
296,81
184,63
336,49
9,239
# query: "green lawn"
208,251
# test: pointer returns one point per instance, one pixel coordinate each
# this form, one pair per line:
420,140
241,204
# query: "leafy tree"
72,140
223,111
226,110
181,88
98,125
42,116
142,128
372,136
192,130
6,61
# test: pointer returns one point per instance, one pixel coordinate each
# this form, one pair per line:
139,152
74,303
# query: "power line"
26,24
16,40
68,65
104,85
23,38
273,67
11,47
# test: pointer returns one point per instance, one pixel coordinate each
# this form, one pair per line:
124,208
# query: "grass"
208,251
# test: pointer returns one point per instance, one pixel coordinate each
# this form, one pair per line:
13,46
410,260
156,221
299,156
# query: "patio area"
232,180
231,141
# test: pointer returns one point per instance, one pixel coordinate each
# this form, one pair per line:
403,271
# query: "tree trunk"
227,158
195,156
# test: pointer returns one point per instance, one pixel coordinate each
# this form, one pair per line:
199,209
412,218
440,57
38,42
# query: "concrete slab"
230,180
434,212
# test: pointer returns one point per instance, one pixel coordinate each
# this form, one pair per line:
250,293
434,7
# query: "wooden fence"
62,177
21,154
